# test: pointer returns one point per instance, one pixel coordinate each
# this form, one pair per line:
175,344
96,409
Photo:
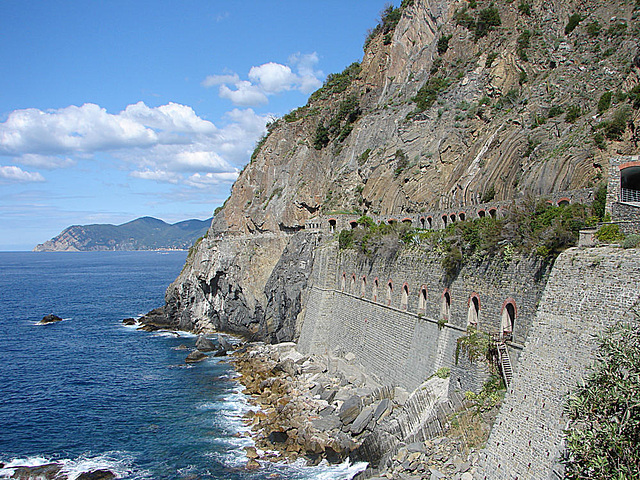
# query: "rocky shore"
325,407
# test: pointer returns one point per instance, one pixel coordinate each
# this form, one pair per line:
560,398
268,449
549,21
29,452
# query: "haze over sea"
91,393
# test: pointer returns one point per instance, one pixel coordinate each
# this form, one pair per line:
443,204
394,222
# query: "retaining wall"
588,290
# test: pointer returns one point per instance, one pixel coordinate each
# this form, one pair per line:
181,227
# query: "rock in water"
129,321
101,474
49,471
224,344
204,344
51,318
195,356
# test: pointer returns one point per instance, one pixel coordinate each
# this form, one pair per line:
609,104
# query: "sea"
90,393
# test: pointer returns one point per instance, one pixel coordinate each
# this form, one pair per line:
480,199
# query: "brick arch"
404,296
481,213
353,224
473,312
332,224
391,221
407,220
462,216
493,212
453,217
422,299
563,201
374,289
352,284
422,222
343,282
363,285
445,304
508,315
389,291
430,221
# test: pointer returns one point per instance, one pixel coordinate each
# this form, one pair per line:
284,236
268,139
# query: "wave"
120,463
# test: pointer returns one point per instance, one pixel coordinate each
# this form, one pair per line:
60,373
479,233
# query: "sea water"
91,393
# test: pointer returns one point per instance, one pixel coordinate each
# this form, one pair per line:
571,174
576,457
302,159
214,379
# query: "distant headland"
145,233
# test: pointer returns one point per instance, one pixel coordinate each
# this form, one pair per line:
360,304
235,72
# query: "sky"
114,110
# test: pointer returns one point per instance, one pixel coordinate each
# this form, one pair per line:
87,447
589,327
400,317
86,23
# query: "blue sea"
91,393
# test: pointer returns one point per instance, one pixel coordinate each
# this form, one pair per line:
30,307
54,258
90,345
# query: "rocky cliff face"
458,102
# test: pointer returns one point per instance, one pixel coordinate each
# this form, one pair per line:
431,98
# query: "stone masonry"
588,291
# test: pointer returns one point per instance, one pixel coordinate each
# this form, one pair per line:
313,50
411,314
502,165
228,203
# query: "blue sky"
112,110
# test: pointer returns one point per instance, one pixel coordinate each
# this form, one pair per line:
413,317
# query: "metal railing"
629,195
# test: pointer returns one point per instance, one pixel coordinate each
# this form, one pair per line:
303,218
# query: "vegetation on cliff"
604,412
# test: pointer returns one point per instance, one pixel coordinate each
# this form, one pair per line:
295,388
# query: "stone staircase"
505,363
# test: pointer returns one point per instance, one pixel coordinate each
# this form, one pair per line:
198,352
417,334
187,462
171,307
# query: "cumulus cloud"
168,143
12,173
269,79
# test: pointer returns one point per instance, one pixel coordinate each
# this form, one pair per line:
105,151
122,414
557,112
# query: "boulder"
252,464
129,321
278,437
350,409
195,356
382,409
48,471
204,344
101,474
327,423
51,318
251,452
224,344
362,421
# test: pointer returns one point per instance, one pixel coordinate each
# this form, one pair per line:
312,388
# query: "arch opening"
445,305
474,311
422,300
374,290
389,292
404,299
508,320
363,286
630,184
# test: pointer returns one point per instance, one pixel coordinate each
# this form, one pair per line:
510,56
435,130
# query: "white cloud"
214,80
203,181
245,94
269,79
16,174
273,77
166,143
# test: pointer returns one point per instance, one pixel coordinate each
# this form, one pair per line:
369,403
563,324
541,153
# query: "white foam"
119,463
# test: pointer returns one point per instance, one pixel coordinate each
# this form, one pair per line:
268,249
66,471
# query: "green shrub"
604,418
489,397
574,20
615,128
476,344
389,19
605,102
443,372
490,58
599,202
617,29
337,82
443,44
321,138
609,233
487,19
555,111
634,96
631,241
462,18
599,141
402,161
573,113
524,8
364,156
428,93
593,29
523,43
345,239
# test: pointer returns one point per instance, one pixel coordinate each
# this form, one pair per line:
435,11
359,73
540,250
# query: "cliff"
144,233
451,106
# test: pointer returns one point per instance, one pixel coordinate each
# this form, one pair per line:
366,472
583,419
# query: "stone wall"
588,290
393,329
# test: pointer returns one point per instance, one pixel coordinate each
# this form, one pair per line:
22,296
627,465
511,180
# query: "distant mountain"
146,233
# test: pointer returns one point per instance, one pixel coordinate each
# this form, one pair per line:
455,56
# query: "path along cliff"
454,104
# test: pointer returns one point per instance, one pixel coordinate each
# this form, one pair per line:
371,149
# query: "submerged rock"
195,356
101,474
129,321
51,318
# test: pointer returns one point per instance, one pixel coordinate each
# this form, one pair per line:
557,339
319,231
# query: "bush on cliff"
604,428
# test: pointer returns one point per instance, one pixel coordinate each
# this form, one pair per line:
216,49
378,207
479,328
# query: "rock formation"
440,113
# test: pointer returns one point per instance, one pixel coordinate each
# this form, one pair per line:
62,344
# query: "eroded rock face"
251,285
491,132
